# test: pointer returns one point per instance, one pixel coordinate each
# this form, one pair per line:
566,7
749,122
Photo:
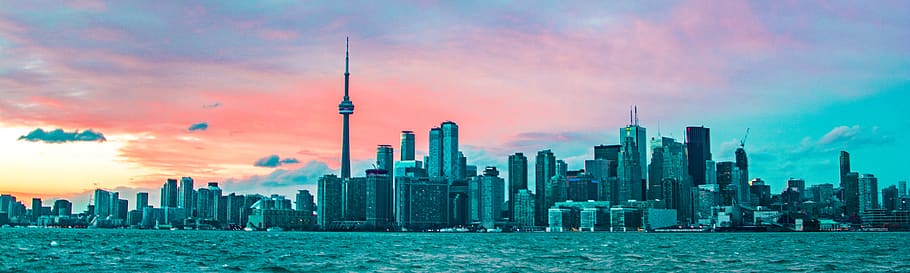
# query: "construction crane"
742,142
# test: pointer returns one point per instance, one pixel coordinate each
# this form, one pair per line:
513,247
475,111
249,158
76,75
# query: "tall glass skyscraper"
407,145
185,195
545,168
518,179
698,147
450,159
434,159
169,193
385,157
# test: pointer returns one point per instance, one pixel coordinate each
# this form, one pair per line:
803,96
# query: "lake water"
61,250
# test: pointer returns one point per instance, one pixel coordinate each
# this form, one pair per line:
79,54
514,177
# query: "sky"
122,95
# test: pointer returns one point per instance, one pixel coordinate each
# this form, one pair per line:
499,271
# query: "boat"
274,229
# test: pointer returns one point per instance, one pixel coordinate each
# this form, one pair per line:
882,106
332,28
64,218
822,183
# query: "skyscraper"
742,162
698,148
185,195
36,209
169,193
890,199
346,108
545,168
379,195
407,145
633,166
102,202
610,153
385,158
486,198
218,206
304,202
524,208
421,203
142,200
902,188
851,191
329,200
868,193
434,159
518,179
844,166
450,159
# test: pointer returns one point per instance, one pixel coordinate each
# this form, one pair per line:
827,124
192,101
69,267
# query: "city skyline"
497,117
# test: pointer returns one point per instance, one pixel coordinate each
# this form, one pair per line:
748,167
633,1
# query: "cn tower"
346,108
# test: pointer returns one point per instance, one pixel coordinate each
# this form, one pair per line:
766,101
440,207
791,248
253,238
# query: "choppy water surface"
210,251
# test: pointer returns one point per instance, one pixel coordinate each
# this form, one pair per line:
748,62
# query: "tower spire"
346,108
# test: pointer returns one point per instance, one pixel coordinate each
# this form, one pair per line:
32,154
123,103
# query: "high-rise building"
669,178
346,109
450,153
610,153
142,200
329,200
204,202
725,182
902,188
234,208
698,149
797,185
561,168
524,208
844,166
304,202
379,206
486,194
633,165
169,194
102,202
354,199
36,209
518,179
434,159
63,208
545,168
890,199
385,158
219,208
868,193
421,203
851,194
407,145
710,172
742,162
185,194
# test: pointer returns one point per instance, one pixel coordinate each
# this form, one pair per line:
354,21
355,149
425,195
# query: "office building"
102,202
451,164
379,199
890,199
407,145
486,194
385,158
434,158
421,203
354,199
545,168
633,166
698,149
330,197
518,179
868,193
169,194
524,209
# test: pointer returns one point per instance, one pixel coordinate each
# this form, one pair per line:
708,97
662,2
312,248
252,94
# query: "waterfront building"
142,200
379,208
169,194
234,207
545,168
304,202
486,194
633,166
186,194
518,179
868,193
329,200
524,209
698,150
102,202
625,219
890,198
583,216
36,209
421,203
450,153
354,199
63,208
